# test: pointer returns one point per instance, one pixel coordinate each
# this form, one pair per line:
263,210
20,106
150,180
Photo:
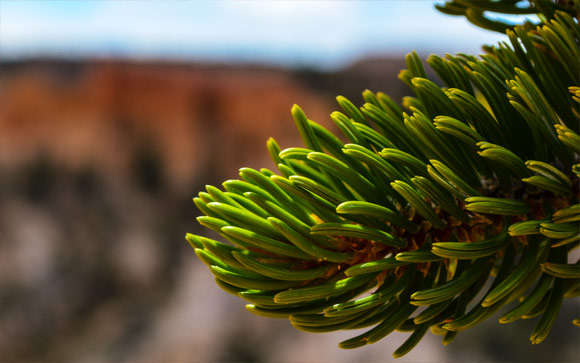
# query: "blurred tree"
39,178
147,168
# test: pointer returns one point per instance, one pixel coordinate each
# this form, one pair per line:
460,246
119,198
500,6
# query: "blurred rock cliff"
100,160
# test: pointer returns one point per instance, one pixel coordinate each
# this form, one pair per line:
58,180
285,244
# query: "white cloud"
279,31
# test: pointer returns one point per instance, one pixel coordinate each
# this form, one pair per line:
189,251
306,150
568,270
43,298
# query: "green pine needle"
425,204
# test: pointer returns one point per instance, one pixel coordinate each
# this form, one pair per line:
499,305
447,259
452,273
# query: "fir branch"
424,204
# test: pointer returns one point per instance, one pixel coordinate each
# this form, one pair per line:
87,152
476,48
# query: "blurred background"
114,115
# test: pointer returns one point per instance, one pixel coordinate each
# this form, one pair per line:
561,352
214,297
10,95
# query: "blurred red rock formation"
100,112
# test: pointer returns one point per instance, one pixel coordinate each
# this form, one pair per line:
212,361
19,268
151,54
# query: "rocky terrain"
100,160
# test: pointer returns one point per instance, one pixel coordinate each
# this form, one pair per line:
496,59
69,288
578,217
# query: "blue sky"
315,33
